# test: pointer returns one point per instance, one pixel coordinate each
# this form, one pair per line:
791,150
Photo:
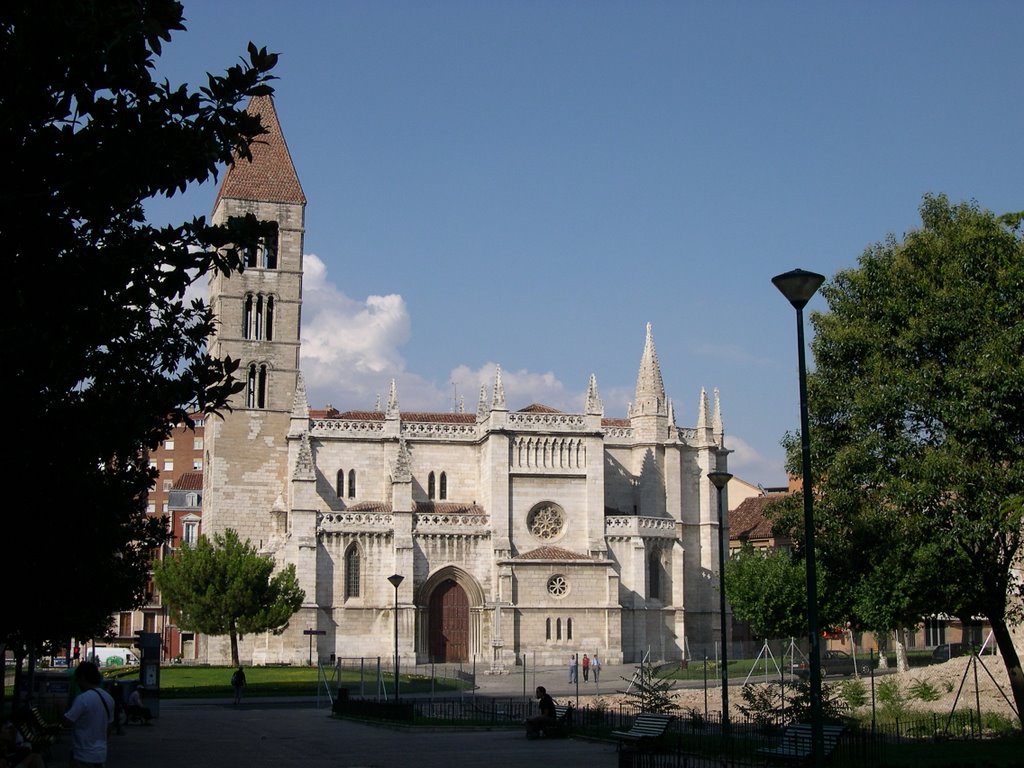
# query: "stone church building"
516,532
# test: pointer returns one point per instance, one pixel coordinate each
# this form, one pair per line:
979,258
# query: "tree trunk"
883,646
902,663
234,647
1011,661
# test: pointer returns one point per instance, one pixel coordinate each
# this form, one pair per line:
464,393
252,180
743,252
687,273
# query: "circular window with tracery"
558,586
546,521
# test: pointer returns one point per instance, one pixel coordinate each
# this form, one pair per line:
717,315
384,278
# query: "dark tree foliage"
103,353
917,424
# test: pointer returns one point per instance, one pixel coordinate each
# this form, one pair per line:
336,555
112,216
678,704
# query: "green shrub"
854,693
923,691
893,699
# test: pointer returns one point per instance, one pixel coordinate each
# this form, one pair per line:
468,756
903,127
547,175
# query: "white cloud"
351,351
745,462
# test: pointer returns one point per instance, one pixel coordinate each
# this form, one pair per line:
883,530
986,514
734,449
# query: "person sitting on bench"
546,718
135,708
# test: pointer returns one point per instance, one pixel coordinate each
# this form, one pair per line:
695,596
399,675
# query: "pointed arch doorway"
449,623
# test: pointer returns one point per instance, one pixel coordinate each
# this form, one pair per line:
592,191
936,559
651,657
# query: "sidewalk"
283,734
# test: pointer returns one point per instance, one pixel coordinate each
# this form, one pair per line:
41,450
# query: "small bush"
892,698
854,693
923,691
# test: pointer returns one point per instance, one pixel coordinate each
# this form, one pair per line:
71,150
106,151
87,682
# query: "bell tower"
258,314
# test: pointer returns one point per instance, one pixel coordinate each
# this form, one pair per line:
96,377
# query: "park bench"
34,728
559,729
647,726
795,745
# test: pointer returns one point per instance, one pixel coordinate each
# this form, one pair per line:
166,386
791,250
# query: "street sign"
314,631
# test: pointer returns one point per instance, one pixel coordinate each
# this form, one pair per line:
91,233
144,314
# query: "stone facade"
518,532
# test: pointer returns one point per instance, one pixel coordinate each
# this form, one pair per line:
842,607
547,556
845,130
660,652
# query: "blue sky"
529,183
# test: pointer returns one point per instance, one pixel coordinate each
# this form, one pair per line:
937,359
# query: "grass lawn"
186,682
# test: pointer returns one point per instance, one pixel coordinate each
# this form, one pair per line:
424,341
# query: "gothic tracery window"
546,521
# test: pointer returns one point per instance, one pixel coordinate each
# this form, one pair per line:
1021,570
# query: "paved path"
296,733
279,734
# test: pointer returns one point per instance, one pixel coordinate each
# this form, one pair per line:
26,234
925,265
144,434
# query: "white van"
112,657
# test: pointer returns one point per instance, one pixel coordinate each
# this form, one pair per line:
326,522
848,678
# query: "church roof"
449,508
551,553
538,408
423,507
270,175
615,422
189,481
437,418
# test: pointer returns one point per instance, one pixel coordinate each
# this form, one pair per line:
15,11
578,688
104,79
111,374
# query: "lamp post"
395,580
798,286
720,480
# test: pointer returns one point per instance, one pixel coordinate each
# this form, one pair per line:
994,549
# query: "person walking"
89,717
586,667
595,665
572,669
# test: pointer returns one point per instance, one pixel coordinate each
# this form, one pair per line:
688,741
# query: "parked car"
948,651
833,664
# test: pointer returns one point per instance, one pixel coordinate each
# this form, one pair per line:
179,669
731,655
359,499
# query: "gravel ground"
944,679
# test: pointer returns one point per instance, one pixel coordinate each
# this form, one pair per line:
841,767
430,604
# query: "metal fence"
692,739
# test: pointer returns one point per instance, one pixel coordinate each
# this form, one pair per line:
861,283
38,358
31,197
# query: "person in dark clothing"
546,716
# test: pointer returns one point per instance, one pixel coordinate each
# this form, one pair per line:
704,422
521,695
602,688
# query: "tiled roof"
551,553
334,413
748,521
438,418
189,481
448,508
538,408
441,418
382,507
615,422
270,175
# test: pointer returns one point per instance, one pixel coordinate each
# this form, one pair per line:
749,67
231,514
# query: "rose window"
558,586
546,521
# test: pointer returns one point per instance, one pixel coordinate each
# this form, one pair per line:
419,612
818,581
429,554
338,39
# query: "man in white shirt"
90,715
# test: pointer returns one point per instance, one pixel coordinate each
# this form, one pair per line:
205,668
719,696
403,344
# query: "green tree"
225,587
769,590
98,337
917,423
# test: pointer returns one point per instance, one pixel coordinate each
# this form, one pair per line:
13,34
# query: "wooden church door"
449,623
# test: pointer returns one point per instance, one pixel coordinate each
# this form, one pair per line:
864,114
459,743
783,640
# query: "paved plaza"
286,735
300,733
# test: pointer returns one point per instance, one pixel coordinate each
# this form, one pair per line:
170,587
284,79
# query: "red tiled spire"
270,176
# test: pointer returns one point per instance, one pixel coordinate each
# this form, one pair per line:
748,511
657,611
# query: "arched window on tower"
442,492
558,629
654,575
247,317
568,629
261,387
269,324
250,387
339,484
269,247
351,483
547,629
259,318
430,486
352,572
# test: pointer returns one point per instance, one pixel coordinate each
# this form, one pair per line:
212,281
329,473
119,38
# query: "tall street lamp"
720,480
798,287
395,581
